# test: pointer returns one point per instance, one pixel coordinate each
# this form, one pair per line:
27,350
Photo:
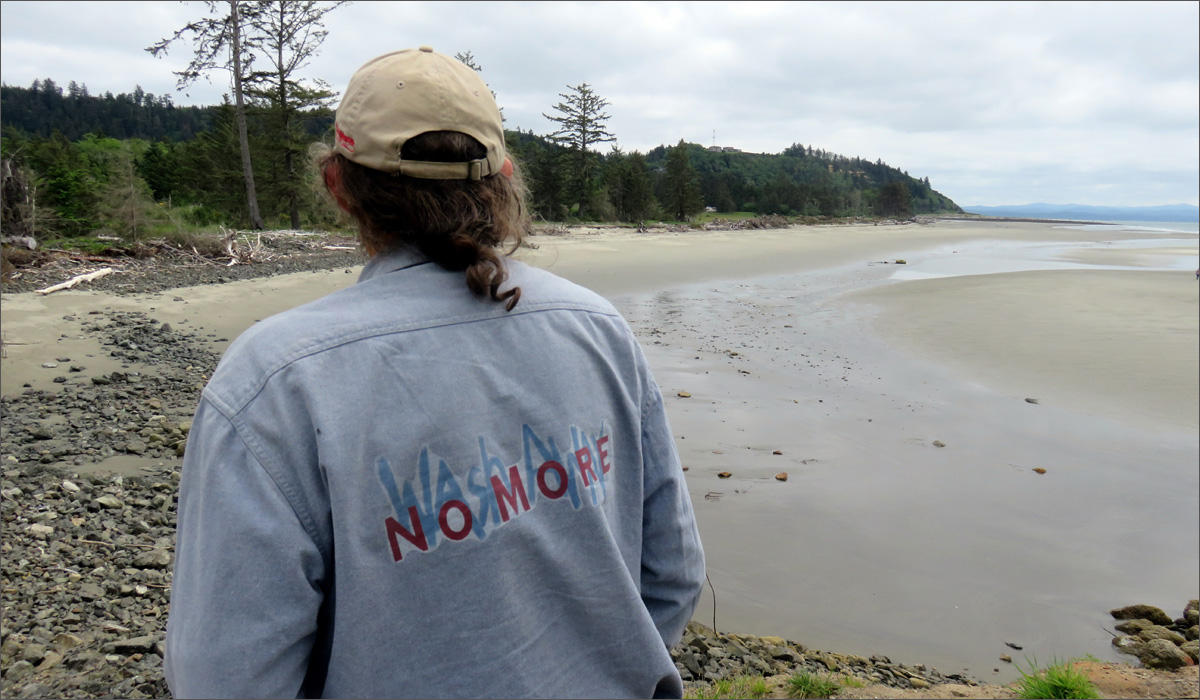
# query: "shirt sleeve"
672,573
247,587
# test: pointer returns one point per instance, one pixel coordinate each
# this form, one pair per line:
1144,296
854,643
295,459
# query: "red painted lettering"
601,449
444,520
584,457
416,537
346,142
562,479
504,496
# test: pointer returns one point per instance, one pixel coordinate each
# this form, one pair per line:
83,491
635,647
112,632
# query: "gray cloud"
995,102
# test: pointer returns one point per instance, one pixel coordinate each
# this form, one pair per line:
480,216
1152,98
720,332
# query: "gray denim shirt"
402,490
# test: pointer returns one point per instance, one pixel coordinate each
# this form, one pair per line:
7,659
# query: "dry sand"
799,342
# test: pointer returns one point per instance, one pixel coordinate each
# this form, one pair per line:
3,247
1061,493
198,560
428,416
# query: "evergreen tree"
894,200
627,182
681,185
288,35
127,205
582,123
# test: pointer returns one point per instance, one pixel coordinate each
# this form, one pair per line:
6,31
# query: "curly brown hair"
457,224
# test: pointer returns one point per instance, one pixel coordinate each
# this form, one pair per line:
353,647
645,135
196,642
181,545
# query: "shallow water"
881,542
994,257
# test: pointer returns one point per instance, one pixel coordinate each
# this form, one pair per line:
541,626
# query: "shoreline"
703,320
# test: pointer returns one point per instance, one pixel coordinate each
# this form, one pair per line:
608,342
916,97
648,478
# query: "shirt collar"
391,261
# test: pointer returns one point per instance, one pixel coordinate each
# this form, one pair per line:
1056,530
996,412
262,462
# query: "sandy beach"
909,405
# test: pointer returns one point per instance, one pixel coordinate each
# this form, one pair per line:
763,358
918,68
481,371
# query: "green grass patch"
740,687
851,682
1058,680
811,685
85,244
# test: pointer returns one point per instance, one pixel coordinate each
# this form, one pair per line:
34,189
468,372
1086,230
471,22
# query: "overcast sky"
994,102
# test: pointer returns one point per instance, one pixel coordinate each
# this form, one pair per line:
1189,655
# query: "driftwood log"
88,277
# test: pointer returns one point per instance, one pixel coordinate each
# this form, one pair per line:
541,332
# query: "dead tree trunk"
243,138
14,202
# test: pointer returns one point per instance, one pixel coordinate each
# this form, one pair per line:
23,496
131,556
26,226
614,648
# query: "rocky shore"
705,656
86,580
1157,640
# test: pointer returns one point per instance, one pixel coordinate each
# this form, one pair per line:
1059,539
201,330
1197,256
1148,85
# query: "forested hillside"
134,165
44,108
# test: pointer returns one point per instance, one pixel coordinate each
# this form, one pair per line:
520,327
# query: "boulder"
1143,612
1159,653
1134,626
1128,645
1192,649
1160,632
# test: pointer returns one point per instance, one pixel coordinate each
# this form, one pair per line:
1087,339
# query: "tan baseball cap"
404,94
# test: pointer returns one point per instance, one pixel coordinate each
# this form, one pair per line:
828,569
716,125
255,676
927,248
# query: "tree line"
135,164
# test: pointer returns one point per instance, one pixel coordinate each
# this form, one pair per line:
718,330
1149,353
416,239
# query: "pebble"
110,502
39,530
67,631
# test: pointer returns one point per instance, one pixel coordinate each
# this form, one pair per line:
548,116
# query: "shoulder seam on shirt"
319,347
288,492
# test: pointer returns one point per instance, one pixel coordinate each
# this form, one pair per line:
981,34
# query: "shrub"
740,687
1059,680
810,685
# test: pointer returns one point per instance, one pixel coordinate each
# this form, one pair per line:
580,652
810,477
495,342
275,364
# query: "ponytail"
457,224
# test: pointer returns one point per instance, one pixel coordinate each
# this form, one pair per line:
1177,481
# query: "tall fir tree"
582,123
681,185
287,35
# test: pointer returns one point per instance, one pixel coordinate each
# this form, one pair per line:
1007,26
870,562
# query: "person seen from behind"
454,478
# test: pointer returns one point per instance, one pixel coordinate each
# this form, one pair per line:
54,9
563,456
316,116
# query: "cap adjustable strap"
434,170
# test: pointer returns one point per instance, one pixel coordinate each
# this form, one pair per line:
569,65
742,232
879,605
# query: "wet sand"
881,542
801,342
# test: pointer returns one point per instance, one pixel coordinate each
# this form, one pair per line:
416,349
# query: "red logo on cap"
343,140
